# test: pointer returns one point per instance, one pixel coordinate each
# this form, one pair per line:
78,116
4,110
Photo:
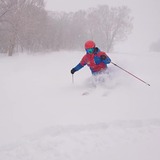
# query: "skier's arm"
102,58
105,59
79,66
76,68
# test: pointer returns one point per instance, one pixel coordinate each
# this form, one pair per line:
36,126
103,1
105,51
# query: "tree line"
25,25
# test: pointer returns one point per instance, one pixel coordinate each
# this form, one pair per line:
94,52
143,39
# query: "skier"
95,59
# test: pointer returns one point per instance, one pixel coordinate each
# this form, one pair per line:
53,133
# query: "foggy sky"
146,14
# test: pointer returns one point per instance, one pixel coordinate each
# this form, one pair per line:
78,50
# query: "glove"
103,57
73,70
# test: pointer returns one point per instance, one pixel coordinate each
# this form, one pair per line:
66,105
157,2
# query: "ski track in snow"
136,139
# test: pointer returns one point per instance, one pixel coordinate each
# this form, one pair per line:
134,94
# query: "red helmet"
90,44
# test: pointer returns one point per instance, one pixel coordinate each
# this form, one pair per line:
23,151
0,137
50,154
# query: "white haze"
145,13
44,116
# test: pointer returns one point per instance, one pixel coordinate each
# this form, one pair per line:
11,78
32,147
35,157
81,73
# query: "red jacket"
94,62
90,60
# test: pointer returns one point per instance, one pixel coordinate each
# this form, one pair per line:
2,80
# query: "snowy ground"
44,116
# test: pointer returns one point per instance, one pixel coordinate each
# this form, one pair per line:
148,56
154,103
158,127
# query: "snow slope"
43,115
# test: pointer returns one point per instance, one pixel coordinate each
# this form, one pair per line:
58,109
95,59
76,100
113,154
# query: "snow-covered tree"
109,25
22,24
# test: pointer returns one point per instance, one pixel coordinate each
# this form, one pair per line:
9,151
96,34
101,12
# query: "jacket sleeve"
105,60
78,67
82,63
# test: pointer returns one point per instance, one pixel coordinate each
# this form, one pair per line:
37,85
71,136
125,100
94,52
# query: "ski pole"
131,74
72,79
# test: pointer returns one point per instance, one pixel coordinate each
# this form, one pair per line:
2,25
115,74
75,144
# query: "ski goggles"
90,50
